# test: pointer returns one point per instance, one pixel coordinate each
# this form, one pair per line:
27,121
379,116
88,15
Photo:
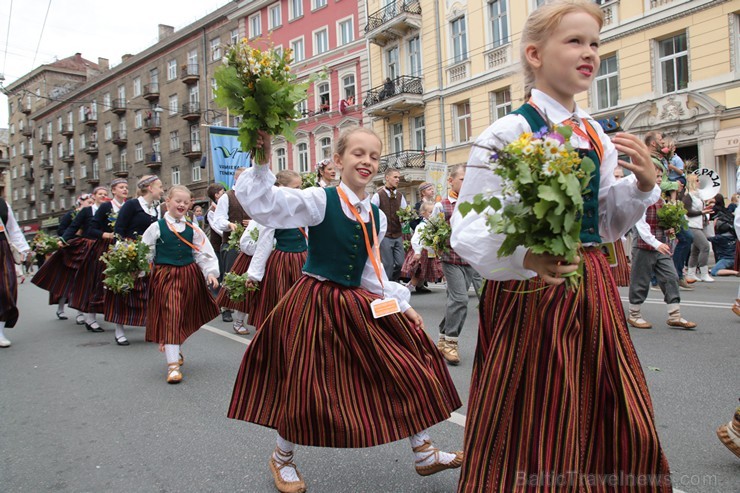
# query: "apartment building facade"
144,116
454,68
324,36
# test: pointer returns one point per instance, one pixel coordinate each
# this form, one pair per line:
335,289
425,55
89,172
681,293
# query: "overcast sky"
95,28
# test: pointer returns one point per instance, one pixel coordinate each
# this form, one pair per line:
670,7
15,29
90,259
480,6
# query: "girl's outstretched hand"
212,281
414,318
642,165
549,267
265,143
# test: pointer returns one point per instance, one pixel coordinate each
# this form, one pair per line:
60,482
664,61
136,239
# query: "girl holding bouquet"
325,325
84,247
421,264
180,302
102,229
557,390
53,275
133,218
276,270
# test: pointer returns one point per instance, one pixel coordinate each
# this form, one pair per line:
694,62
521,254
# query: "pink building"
324,35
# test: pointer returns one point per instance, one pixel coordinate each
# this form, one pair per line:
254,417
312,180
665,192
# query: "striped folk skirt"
282,271
222,300
58,273
427,269
8,285
88,282
737,256
179,303
128,308
621,272
557,391
323,372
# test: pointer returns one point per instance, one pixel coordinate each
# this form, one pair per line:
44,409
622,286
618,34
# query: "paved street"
81,414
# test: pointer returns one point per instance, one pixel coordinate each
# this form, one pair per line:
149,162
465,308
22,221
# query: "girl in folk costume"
134,217
324,325
180,302
326,173
621,272
421,264
10,233
241,309
54,276
276,270
102,229
557,389
86,247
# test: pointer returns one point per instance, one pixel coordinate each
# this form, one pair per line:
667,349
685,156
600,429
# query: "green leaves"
236,286
673,216
235,237
436,234
124,261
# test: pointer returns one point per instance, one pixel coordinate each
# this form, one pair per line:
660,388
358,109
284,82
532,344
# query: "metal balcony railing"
403,159
404,84
390,11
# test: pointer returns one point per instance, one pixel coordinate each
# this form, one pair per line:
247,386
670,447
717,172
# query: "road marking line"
457,418
698,304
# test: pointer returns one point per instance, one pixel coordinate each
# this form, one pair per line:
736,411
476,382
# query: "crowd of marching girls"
340,358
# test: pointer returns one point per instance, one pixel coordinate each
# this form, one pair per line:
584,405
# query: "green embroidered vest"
290,240
170,249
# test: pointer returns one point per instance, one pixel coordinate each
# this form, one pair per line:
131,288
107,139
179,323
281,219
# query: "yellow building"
442,71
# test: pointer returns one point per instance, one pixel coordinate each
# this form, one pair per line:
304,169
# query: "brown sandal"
435,466
174,375
282,485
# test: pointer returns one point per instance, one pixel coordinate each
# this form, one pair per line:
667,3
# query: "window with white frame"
106,102
33,211
255,25
139,152
156,142
607,83
391,63
498,17
81,116
278,50
108,131
214,85
322,92
194,93
62,203
192,60
154,77
173,104
281,158
302,149
15,172
60,150
49,129
43,206
396,137
174,141
123,159
83,141
137,86
461,121
325,150
234,36
295,9
317,4
459,40
419,133
122,127
500,103
195,134
414,52
299,53
121,93
138,120
13,152
60,122
345,31
195,171
172,69
175,175
349,90
274,16
70,118
302,108
109,162
673,55
320,41
216,49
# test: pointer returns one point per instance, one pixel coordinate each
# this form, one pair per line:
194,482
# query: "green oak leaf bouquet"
672,215
436,234
236,235
44,244
541,204
125,261
406,215
309,180
236,286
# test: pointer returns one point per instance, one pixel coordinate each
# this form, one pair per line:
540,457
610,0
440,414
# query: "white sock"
287,473
119,331
89,318
62,303
239,317
172,353
2,329
428,458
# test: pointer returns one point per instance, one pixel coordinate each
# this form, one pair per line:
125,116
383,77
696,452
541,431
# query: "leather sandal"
94,329
282,485
682,323
639,323
62,316
437,465
174,375
122,341
240,329
181,359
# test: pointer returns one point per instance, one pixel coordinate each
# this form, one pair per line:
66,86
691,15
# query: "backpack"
724,223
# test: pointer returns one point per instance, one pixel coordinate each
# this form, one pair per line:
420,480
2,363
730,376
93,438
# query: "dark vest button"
591,230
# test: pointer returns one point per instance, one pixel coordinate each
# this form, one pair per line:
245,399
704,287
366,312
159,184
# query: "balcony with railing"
91,147
45,138
411,159
27,131
120,169
154,159
654,4
30,176
24,107
47,164
69,183
118,106
67,130
402,94
48,189
28,152
151,92
189,73
191,111
153,125
393,21
192,149
94,178
91,119
31,199
68,157
120,138
498,57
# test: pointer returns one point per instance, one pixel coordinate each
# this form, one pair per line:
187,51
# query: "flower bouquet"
673,216
309,180
44,244
235,237
543,179
236,286
436,234
112,216
406,215
124,261
259,86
